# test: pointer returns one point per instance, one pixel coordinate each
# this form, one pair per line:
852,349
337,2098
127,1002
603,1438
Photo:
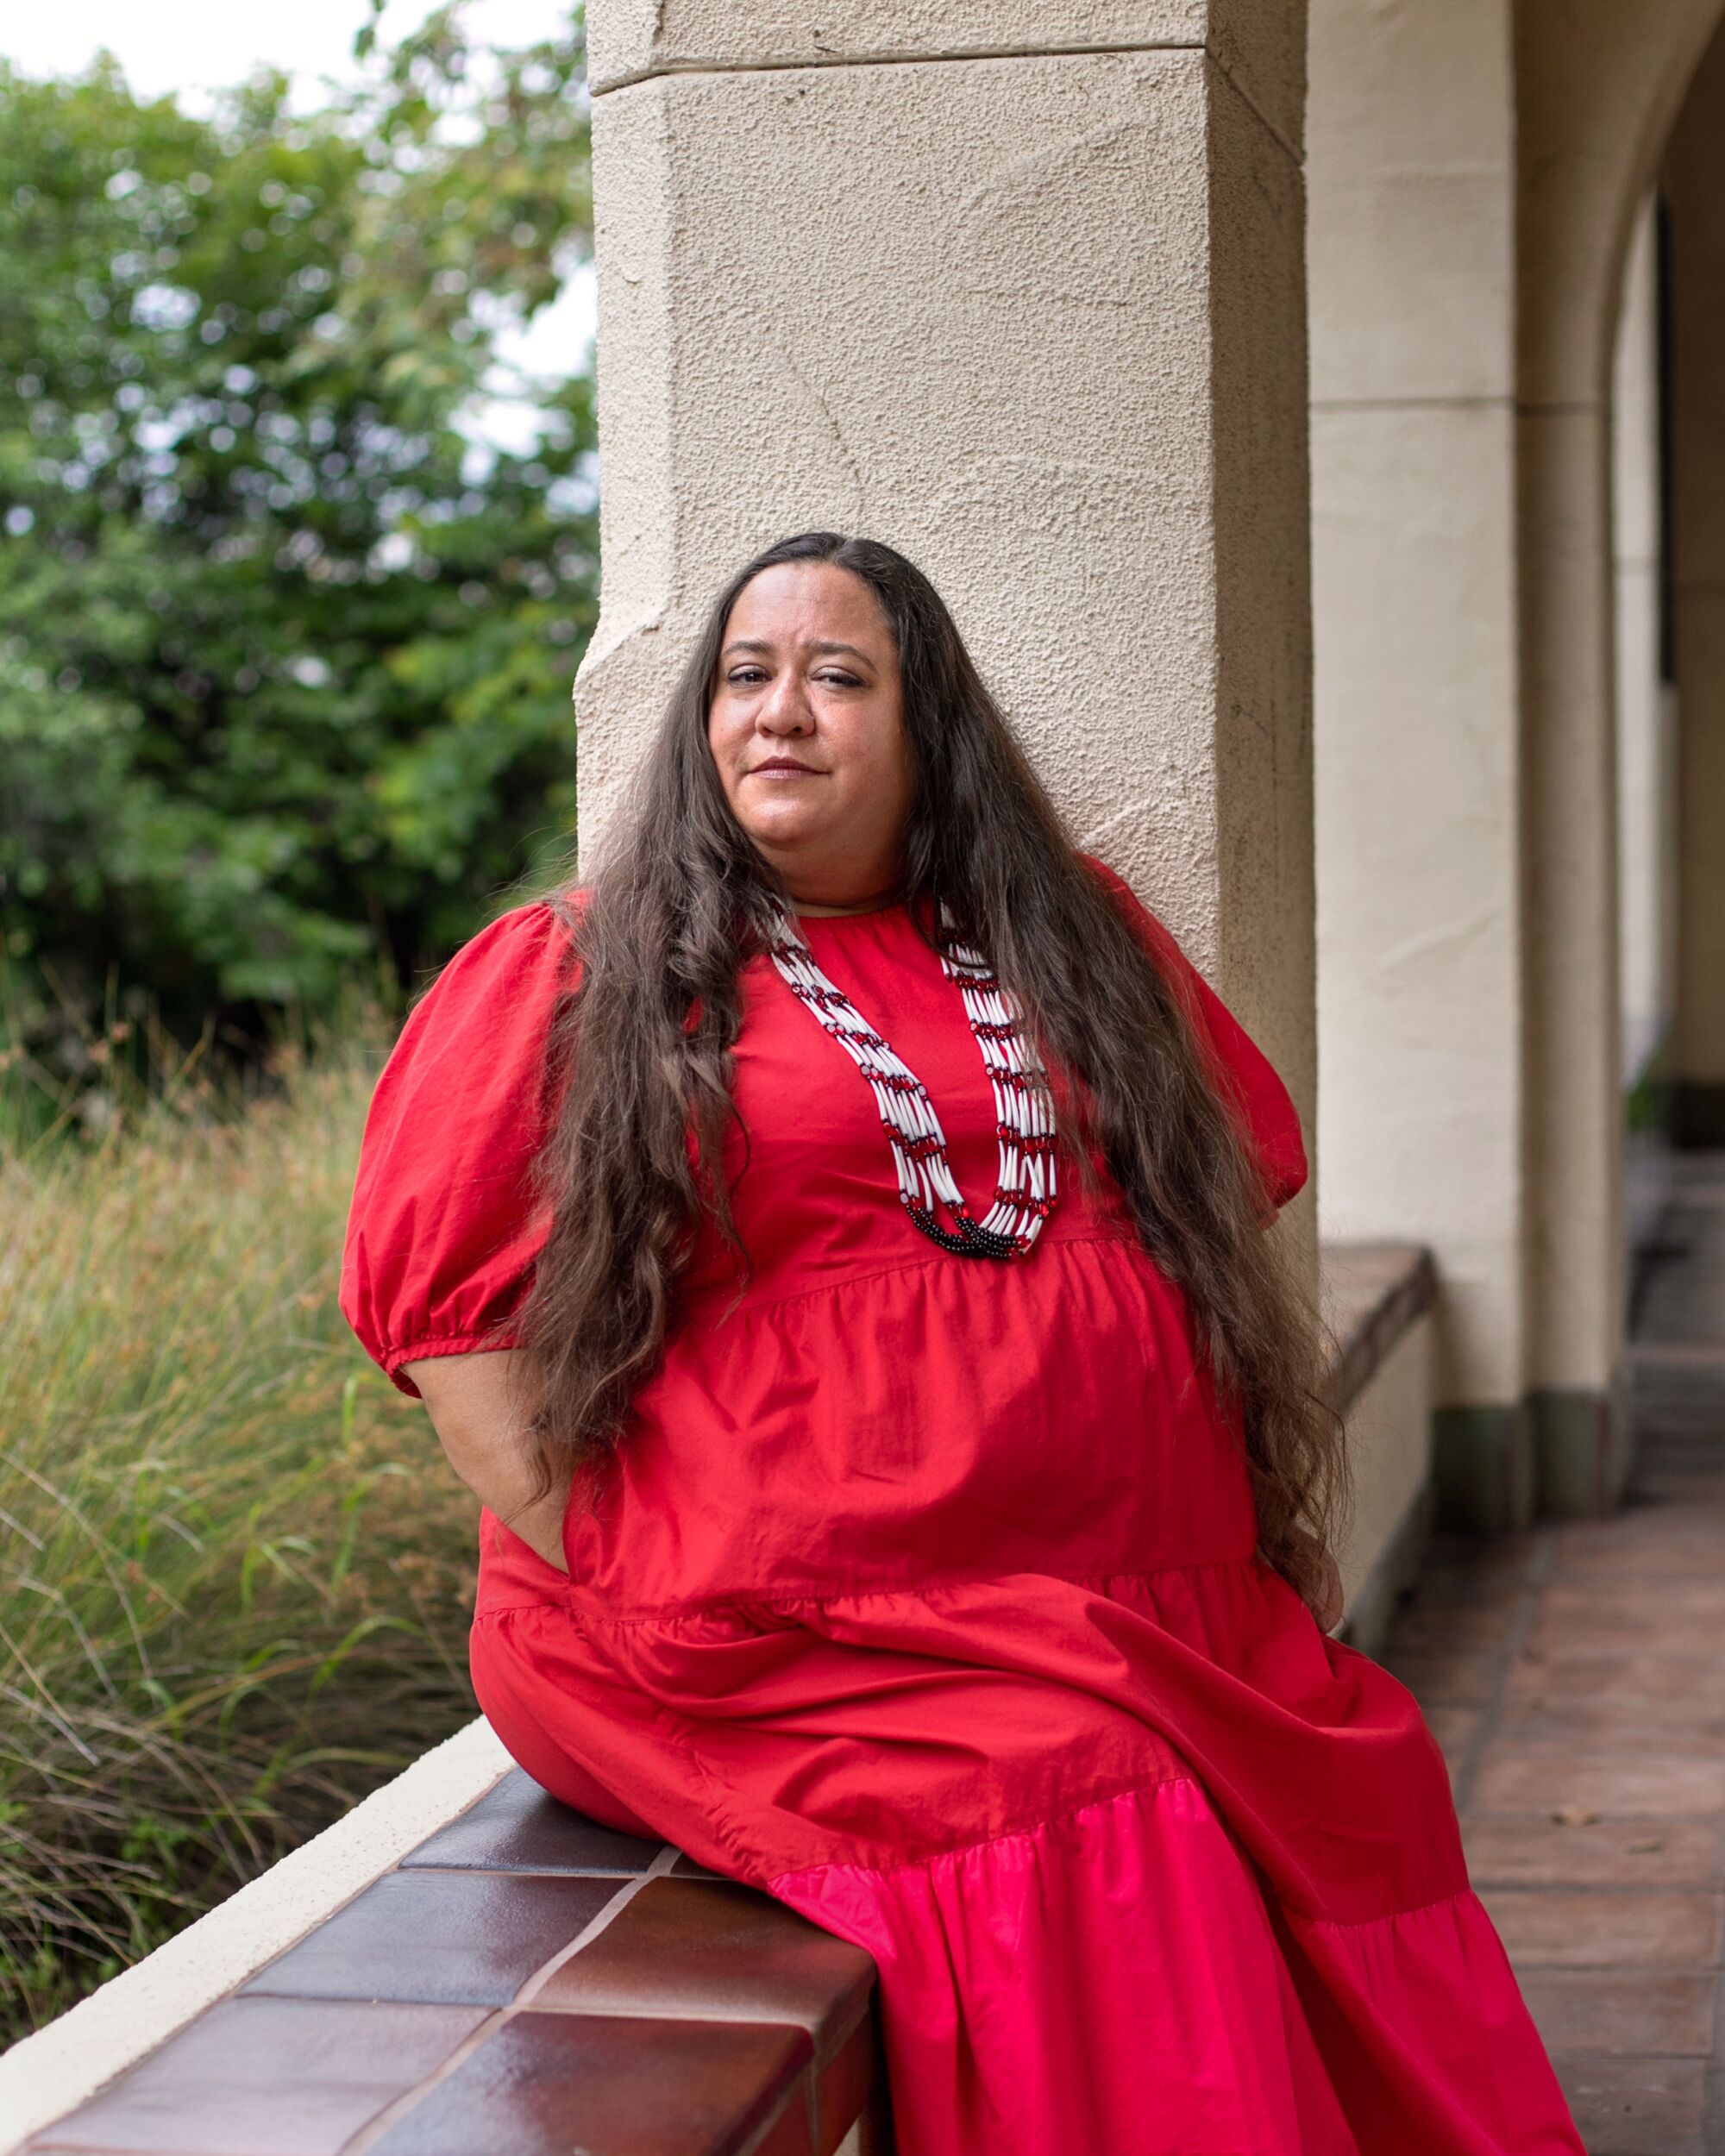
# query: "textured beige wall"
1598,85
1410,171
1695,188
1646,760
1036,318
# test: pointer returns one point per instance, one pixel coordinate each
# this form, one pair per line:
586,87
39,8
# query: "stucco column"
1646,703
1019,291
1694,194
1597,90
1646,737
1411,175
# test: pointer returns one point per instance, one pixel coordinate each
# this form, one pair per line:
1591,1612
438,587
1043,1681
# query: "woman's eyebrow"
824,647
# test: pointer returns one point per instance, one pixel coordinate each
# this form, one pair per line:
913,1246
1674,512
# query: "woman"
831,1246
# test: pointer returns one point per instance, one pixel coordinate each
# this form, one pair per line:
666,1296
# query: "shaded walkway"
1576,1679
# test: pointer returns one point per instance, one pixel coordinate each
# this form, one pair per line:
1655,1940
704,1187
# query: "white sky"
192,48
193,45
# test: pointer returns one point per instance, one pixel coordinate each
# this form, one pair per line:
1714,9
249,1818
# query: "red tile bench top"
524,1982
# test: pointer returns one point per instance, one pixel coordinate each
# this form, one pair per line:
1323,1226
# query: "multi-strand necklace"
1023,1109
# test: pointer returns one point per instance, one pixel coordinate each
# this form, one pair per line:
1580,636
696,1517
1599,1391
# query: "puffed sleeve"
441,1236
1243,1074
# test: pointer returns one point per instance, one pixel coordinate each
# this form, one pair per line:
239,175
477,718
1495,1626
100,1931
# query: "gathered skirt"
1120,1978
1115,1982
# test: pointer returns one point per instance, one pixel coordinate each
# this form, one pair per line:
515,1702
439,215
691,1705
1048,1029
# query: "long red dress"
924,1595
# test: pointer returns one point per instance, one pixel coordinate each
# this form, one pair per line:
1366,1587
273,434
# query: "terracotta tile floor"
1576,1680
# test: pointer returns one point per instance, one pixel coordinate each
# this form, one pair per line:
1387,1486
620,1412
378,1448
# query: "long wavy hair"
639,1061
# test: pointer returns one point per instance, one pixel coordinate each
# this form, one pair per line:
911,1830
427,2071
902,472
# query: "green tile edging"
1583,1446
1559,1454
1483,1468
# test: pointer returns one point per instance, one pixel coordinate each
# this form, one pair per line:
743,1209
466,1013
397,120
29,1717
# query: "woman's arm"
476,1405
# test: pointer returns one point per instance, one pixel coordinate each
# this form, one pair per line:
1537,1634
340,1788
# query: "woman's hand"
476,1406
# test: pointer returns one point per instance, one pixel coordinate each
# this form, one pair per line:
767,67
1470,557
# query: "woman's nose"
784,709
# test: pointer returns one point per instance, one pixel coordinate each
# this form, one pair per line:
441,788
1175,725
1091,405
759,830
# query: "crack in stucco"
1144,803
844,449
892,56
886,56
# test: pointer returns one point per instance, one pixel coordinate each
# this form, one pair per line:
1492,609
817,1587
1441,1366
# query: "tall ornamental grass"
235,1572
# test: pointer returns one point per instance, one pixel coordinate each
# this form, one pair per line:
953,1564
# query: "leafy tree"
285,649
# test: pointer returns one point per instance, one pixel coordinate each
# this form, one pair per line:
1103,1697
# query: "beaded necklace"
1023,1110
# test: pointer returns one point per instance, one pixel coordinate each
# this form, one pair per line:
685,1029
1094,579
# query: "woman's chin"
786,833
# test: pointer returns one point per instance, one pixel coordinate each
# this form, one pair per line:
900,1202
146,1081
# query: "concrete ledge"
1369,1294
1377,1301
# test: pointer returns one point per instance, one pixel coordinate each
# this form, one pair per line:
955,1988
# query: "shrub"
286,637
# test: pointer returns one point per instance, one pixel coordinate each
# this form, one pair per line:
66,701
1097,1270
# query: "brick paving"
1576,1679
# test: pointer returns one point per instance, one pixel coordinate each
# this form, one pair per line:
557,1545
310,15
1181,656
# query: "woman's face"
807,728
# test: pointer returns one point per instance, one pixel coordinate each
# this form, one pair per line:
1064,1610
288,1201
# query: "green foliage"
235,1571
284,651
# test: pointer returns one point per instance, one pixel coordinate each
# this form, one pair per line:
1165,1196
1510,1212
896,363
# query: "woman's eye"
836,679
744,677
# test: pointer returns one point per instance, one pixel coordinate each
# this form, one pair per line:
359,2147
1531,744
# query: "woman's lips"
782,769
